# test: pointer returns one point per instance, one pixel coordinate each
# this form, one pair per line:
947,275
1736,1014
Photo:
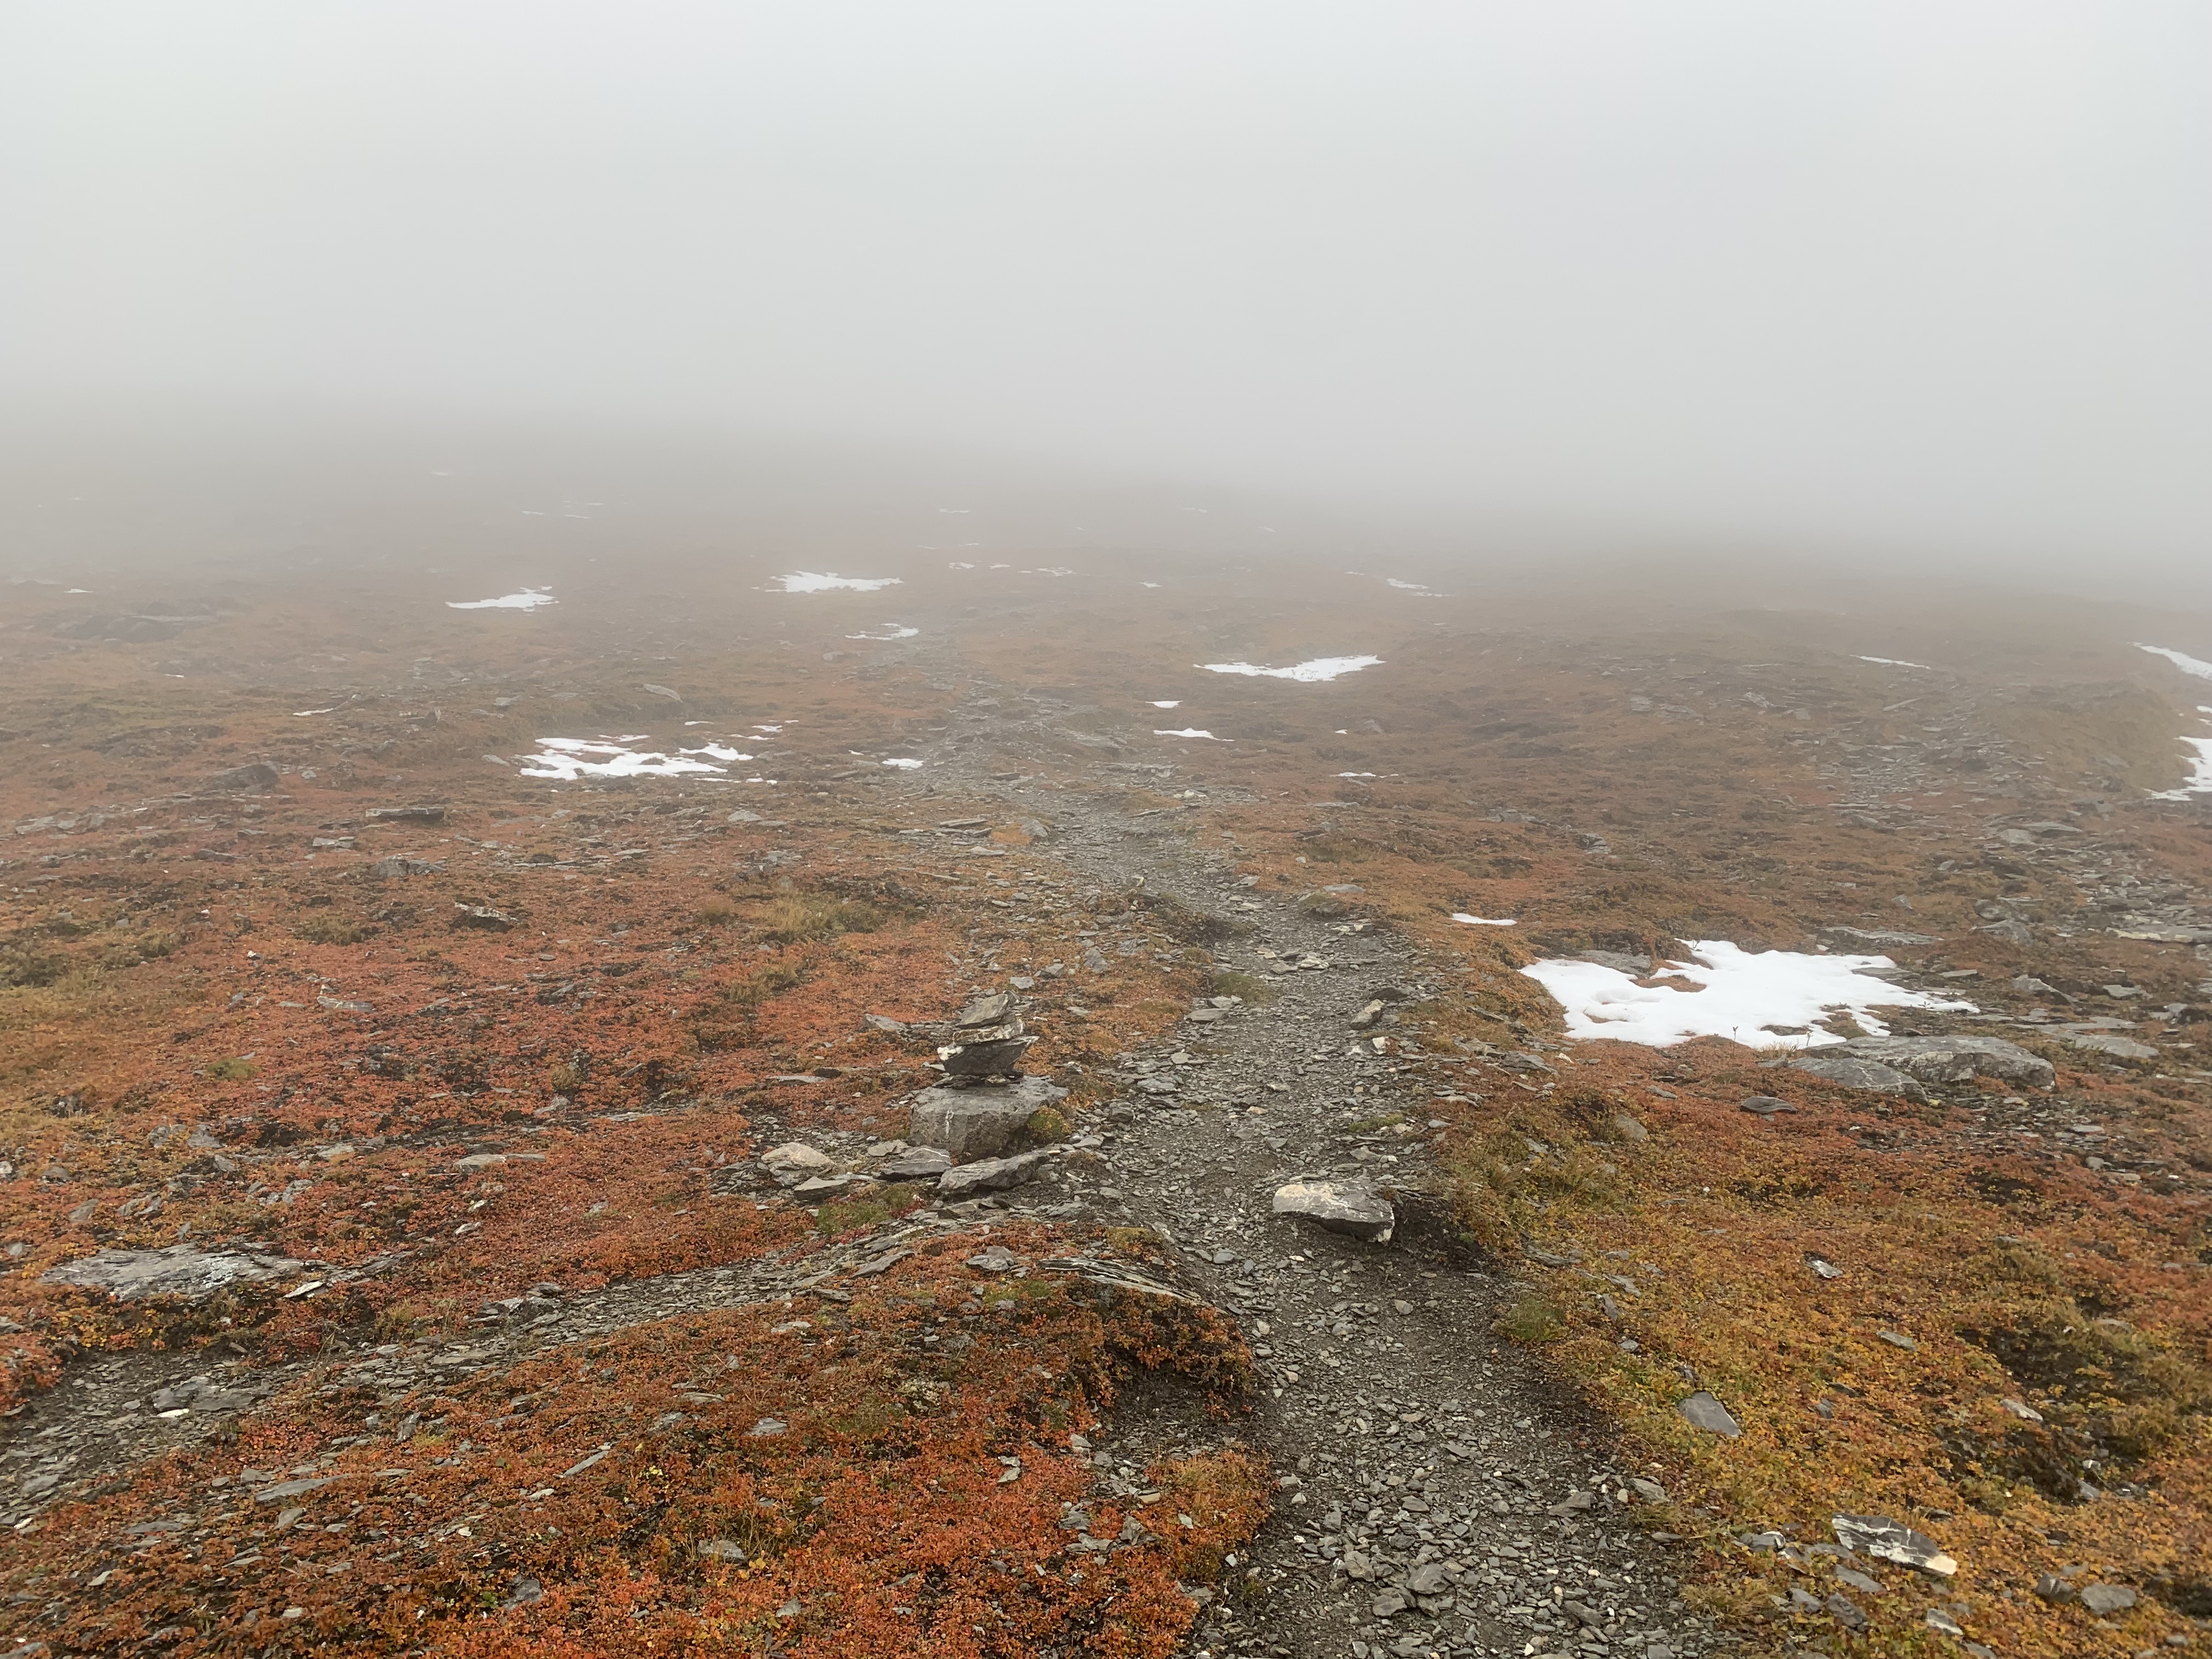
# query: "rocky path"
1440,1494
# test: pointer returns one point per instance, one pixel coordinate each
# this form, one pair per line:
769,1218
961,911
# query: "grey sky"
1923,275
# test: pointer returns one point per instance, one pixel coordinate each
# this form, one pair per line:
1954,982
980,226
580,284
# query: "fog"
1886,282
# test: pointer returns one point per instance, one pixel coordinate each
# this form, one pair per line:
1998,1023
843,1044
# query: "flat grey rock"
1702,1410
255,774
1339,1206
1764,1105
982,1121
2104,1600
985,1011
284,1489
1954,1059
180,1270
1891,1541
916,1164
1870,936
997,1059
1854,1073
795,1161
2119,1047
816,1186
990,1175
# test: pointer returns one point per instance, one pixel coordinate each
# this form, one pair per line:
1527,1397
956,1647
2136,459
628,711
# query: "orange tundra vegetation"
830,1479
527,1050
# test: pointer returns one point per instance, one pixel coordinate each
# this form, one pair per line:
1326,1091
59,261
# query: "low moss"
331,930
1229,983
795,918
1532,1319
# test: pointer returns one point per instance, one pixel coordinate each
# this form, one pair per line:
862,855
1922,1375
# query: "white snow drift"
1319,668
2187,665
1763,999
821,581
2199,781
570,758
529,599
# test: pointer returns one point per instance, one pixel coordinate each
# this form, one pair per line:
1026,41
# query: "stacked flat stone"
986,1040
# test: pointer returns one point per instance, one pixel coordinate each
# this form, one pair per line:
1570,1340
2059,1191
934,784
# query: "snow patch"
1763,999
2198,782
1319,668
821,581
570,758
2187,665
1482,921
1192,732
903,762
1173,703
888,631
1894,662
529,599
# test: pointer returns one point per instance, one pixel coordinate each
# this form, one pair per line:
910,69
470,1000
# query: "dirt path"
1440,1494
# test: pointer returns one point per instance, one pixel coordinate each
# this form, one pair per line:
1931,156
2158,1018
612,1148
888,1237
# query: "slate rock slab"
980,1121
1871,1075
255,774
1954,1059
1702,1410
1000,1059
180,1270
2105,1042
795,1161
916,1164
1339,1206
1891,1541
990,1175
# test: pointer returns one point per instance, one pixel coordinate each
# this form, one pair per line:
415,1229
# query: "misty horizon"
1911,286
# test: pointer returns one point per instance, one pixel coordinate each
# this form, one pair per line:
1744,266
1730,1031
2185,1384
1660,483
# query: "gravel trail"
1440,1494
